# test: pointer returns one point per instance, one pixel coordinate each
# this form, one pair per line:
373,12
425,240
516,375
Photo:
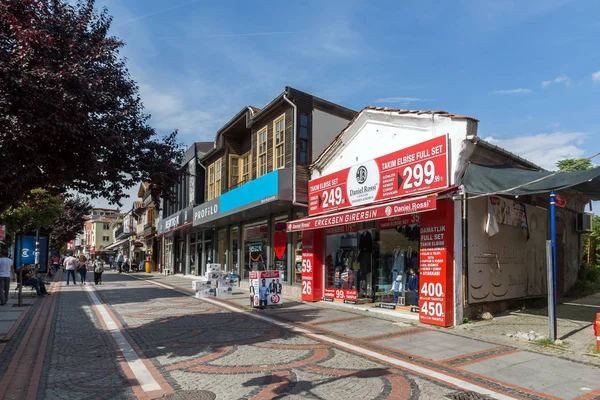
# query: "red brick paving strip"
20,380
476,360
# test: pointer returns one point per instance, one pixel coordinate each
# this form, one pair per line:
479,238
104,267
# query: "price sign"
435,267
414,170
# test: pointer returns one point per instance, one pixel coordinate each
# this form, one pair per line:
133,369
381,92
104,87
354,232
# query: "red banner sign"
2,232
341,294
414,170
436,291
560,201
400,207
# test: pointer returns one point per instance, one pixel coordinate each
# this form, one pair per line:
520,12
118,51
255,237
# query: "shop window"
297,267
399,254
279,142
255,248
303,140
261,165
222,249
193,254
279,252
234,246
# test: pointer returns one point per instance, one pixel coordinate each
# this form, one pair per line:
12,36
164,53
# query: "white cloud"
512,91
545,149
596,77
559,79
399,100
169,111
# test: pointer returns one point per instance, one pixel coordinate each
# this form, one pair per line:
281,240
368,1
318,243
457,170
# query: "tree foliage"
574,164
70,222
70,114
37,211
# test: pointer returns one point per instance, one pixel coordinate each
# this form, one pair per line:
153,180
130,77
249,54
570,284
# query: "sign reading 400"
414,170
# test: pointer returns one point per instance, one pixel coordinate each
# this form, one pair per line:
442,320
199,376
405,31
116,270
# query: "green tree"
37,210
574,164
70,114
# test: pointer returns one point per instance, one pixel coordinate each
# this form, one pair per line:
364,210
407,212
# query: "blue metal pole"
553,239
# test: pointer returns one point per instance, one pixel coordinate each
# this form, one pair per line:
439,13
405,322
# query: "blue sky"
528,70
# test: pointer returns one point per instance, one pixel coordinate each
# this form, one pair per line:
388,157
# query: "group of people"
72,265
81,266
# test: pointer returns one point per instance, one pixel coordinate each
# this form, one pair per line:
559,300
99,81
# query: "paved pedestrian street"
145,336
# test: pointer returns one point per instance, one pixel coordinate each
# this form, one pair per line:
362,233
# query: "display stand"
265,288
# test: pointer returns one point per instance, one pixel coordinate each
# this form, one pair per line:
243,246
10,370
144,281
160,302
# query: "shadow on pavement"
288,387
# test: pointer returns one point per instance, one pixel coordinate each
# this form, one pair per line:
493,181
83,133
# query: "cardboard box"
213,267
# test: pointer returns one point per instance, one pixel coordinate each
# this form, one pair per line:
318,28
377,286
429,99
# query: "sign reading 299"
417,169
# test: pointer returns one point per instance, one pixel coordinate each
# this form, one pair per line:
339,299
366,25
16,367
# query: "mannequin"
397,288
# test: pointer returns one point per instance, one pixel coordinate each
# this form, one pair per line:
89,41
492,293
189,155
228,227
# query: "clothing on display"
373,262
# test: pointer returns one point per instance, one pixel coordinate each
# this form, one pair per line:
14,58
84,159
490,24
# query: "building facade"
391,226
175,221
256,180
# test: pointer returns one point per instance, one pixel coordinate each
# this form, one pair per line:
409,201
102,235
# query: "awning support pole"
551,255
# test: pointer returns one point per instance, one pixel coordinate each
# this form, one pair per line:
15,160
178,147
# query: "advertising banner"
265,287
368,213
312,266
348,296
436,289
2,232
27,255
414,170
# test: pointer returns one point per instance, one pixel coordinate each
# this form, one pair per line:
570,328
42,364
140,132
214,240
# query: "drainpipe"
465,238
294,150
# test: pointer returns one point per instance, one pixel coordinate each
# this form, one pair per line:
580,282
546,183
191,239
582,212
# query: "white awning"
115,244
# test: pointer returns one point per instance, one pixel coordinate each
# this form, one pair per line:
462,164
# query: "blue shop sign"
256,190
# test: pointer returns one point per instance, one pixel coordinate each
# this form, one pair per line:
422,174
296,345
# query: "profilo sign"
414,170
207,211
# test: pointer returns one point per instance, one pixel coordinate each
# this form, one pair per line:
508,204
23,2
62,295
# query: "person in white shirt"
6,273
71,263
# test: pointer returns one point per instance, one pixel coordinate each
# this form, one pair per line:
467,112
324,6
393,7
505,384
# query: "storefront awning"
115,244
368,213
507,180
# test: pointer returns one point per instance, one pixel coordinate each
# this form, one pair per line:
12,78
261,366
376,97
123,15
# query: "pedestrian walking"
126,264
98,270
111,262
120,260
5,275
71,263
82,269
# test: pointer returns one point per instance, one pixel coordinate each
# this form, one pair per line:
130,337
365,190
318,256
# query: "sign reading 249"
417,169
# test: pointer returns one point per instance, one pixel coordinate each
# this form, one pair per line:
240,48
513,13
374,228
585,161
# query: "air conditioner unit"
584,223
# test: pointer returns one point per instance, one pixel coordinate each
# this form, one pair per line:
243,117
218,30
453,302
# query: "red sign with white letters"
436,284
341,294
370,213
311,266
414,170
